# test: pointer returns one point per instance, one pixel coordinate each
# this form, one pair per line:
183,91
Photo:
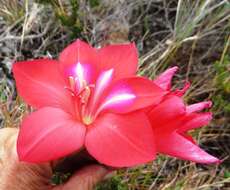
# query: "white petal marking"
117,100
80,75
103,81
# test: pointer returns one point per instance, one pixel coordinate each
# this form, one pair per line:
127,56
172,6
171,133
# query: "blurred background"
192,34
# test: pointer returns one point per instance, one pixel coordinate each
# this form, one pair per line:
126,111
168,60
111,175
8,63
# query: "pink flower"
171,120
88,98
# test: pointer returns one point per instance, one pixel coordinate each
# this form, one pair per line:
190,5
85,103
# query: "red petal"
121,141
198,107
178,146
79,52
188,137
167,115
181,92
195,120
122,58
40,84
165,78
49,134
130,94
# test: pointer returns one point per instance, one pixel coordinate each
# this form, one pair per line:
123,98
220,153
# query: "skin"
16,175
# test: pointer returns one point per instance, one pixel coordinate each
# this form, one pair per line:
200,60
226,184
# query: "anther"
85,94
72,83
70,90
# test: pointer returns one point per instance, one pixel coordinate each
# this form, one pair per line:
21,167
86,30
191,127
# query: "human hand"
16,175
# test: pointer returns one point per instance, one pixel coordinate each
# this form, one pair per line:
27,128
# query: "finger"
85,179
7,133
8,137
19,175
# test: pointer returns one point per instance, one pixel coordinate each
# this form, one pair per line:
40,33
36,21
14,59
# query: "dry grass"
191,34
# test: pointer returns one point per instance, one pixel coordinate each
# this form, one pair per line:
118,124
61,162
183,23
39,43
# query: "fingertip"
86,178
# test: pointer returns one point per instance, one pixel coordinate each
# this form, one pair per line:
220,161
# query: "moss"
222,84
115,183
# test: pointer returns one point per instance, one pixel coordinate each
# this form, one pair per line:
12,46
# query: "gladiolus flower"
89,98
171,120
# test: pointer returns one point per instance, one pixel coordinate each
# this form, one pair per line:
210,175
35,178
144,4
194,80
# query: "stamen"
84,97
85,94
72,83
70,90
81,91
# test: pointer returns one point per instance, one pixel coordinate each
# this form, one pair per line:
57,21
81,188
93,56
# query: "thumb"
84,179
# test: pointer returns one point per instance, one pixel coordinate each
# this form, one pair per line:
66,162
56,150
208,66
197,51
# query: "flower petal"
130,94
178,146
122,58
121,141
167,115
49,134
195,120
198,106
188,137
40,84
79,52
165,78
181,92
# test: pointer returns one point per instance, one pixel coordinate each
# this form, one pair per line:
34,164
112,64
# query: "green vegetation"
115,183
222,83
69,18
69,14
11,11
